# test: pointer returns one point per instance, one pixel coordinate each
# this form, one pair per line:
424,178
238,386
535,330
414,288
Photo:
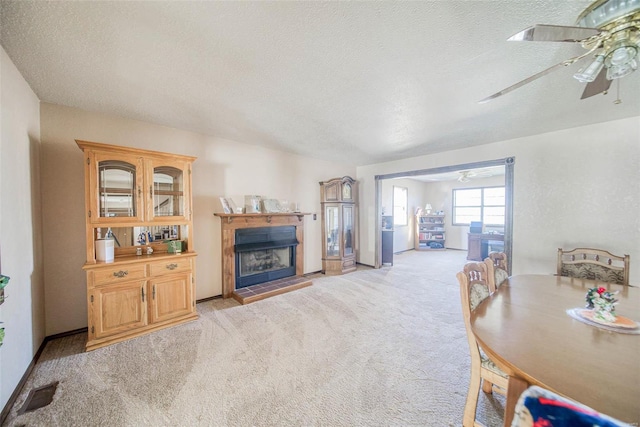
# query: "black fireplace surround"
264,254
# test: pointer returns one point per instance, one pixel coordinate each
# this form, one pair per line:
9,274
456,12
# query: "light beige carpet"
370,348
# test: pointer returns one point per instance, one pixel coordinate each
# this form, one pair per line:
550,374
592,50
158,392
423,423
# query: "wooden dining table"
524,327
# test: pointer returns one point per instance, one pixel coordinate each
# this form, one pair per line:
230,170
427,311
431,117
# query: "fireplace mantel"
229,223
262,219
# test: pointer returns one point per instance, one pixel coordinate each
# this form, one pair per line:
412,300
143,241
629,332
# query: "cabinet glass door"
117,182
332,227
168,191
347,221
119,188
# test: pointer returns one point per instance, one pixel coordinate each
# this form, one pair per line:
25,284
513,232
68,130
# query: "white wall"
223,168
572,188
20,226
403,235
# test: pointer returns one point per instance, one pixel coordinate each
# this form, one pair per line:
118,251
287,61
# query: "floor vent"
39,397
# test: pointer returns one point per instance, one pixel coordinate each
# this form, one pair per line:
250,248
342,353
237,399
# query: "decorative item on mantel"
252,204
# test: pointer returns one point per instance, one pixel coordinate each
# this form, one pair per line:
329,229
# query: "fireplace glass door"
264,254
263,261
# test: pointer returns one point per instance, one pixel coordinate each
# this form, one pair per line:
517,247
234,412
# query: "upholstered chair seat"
539,407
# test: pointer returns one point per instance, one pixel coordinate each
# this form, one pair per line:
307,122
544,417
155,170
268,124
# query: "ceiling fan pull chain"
618,100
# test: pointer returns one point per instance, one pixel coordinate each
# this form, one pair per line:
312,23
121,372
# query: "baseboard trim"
363,264
312,273
65,334
198,301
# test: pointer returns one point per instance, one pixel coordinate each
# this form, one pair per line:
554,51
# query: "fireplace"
260,268
264,254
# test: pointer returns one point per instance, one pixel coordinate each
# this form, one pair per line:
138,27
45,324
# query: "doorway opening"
484,193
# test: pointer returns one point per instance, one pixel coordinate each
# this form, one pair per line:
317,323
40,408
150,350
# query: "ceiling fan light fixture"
621,55
589,74
602,12
620,71
621,61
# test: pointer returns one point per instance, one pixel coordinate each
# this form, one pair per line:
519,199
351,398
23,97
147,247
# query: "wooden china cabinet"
142,200
338,198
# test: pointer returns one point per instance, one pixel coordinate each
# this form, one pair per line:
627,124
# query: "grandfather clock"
338,198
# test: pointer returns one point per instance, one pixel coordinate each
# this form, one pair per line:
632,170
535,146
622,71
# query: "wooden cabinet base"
338,266
162,294
98,343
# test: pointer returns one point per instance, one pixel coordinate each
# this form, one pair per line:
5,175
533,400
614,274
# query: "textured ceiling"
354,82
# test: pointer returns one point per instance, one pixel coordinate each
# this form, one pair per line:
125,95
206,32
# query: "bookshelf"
429,234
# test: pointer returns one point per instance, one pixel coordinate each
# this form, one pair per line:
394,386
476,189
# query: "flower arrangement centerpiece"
602,302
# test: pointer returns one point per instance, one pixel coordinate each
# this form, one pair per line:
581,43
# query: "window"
400,202
484,204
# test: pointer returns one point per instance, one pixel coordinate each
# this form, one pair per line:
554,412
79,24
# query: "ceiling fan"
608,29
465,176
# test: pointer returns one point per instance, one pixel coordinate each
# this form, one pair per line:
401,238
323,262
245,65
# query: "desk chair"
497,271
539,407
594,264
473,290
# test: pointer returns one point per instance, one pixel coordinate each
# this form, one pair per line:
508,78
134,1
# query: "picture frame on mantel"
226,207
252,204
234,209
271,206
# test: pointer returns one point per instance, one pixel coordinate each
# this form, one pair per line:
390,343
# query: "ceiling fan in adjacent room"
467,175
608,29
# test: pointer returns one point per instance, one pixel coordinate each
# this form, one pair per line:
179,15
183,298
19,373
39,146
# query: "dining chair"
473,290
539,407
594,264
497,271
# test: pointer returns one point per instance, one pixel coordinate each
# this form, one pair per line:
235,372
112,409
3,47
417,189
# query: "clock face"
346,191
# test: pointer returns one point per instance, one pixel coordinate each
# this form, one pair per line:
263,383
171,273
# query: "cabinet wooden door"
171,296
115,188
117,308
168,190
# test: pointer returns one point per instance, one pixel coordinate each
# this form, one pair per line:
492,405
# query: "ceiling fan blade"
553,33
596,87
524,82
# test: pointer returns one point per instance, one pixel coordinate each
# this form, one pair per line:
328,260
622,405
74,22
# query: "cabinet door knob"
120,273
172,266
